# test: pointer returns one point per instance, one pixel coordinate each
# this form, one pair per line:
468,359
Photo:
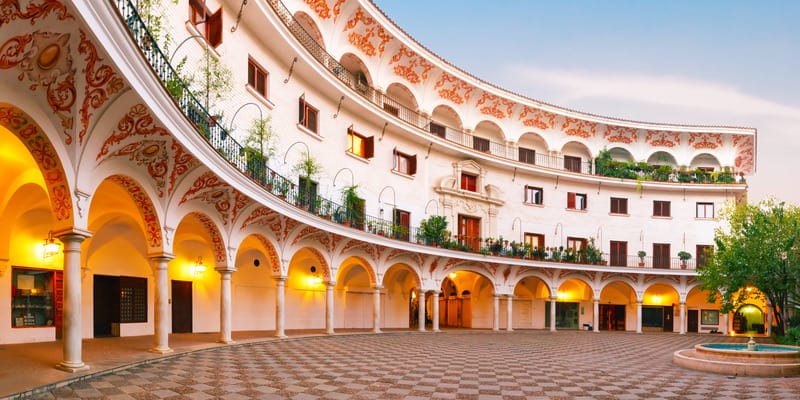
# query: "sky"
731,63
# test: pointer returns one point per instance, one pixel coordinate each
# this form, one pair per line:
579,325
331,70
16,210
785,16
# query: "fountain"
741,359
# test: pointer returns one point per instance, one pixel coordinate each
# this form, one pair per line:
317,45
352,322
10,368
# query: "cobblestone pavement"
448,365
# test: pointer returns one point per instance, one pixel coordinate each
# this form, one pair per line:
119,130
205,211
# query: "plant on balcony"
592,254
642,254
352,206
432,230
556,252
259,146
307,167
570,255
684,256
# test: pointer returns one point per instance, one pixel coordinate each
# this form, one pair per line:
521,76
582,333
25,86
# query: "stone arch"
310,26
662,158
705,160
475,296
704,311
399,97
217,244
271,253
353,261
531,292
573,294
534,141
577,150
660,298
254,284
617,305
621,153
444,117
399,280
150,216
47,158
356,66
492,132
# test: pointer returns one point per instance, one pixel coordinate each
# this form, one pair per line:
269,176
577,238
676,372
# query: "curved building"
221,165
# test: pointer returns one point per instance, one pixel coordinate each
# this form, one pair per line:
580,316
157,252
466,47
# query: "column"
596,318
329,308
683,318
161,333
225,309
725,322
638,316
280,307
435,316
509,309
73,345
496,309
376,310
421,310
768,328
553,313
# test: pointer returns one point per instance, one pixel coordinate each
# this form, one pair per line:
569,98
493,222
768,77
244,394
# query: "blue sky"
733,63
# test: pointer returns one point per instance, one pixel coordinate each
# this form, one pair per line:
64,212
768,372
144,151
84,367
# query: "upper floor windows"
576,201
308,115
527,156
469,182
705,210
359,145
394,110
207,23
438,130
480,144
572,163
404,163
257,78
661,208
619,205
661,255
703,251
534,195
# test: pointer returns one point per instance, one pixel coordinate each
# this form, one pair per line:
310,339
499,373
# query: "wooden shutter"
311,124
302,116
369,147
666,209
214,28
570,200
412,165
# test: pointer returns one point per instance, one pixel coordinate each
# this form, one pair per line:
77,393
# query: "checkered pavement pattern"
448,365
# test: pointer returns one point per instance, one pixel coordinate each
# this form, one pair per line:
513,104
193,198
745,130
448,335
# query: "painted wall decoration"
370,37
451,88
702,141
663,138
320,7
620,134
536,118
11,11
579,127
494,105
142,201
410,65
217,245
212,190
745,153
272,254
101,83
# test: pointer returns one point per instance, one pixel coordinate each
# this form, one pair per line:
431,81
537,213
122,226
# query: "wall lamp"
198,268
50,247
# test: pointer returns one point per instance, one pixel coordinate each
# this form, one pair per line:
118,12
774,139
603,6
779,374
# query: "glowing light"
656,299
198,268
50,247
562,295
452,275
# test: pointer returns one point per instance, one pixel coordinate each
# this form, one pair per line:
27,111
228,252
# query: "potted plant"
641,255
307,167
352,206
432,230
684,256
259,147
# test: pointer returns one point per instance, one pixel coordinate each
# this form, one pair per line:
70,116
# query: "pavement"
453,364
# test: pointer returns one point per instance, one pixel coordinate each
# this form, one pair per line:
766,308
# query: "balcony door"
469,230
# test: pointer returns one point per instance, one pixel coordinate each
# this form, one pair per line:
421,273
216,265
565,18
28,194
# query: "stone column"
509,315
768,328
683,318
280,307
161,334
376,310
435,316
553,313
329,308
496,309
638,316
596,318
73,336
726,322
421,310
225,308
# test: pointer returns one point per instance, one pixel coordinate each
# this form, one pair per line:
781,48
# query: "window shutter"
570,200
585,202
369,147
312,121
666,209
412,165
214,28
301,117
198,7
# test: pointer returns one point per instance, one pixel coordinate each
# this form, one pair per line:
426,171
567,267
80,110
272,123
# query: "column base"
436,330
281,336
157,350
72,367
377,331
330,332
226,341
509,330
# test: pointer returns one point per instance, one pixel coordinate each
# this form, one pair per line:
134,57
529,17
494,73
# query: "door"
668,319
181,306
402,224
691,322
612,317
106,305
58,293
619,254
469,230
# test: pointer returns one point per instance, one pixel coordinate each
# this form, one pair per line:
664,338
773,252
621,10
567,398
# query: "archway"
473,301
617,308
659,308
255,288
443,119
662,158
488,137
530,297
576,157
702,316
533,149
573,299
308,24
749,319
400,282
354,295
308,275
706,162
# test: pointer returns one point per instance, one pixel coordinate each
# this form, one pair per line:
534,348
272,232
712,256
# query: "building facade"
276,165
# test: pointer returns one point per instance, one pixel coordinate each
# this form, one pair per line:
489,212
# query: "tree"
760,248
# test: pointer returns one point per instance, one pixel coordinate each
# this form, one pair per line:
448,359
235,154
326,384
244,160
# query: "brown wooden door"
691,321
181,306
469,230
619,253
106,305
668,326
58,295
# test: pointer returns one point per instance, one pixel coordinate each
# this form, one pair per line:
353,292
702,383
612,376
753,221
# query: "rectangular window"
705,210
404,163
527,156
572,163
661,208
619,205
576,201
576,244
257,78
619,254
359,145
402,224
533,195
32,300
438,130
661,255
207,23
132,299
469,182
306,193
308,115
536,240
480,144
703,251
391,109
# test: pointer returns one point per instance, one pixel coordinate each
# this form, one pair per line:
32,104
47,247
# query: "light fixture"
198,267
50,247
452,275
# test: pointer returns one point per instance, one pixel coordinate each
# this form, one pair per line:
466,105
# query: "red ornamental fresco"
145,207
495,106
701,141
451,88
210,189
579,127
663,139
744,153
536,118
101,83
11,10
320,7
272,255
364,37
621,134
217,244
410,65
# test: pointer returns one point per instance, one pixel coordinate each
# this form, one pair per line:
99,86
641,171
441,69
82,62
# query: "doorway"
181,306
566,315
469,230
691,321
106,305
612,317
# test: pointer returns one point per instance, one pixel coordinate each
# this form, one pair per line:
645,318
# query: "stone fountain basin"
735,359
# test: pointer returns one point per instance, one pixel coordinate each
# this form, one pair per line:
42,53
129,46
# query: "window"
533,195
306,193
208,24
572,163
661,255
256,78
536,240
402,224
619,253
527,156
703,251
438,130
705,210
132,299
469,182
619,205
391,109
576,201
359,145
576,243
32,300
661,208
308,115
480,144
404,163
469,230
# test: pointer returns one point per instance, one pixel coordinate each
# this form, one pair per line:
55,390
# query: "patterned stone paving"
448,365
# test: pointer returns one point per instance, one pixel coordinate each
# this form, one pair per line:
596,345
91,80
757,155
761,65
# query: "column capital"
223,269
281,278
72,234
377,287
156,257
